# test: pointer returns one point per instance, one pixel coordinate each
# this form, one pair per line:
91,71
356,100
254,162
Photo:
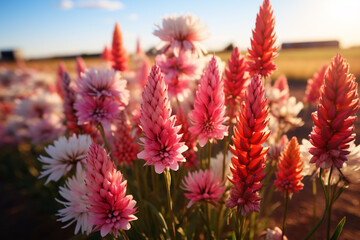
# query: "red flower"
262,51
235,81
288,176
334,119
119,55
247,163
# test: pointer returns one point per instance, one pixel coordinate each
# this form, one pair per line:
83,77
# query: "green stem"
124,235
172,222
102,132
209,155
314,202
325,210
226,143
207,209
242,222
330,199
285,213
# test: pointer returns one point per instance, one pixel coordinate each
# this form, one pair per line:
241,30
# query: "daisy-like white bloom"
182,33
76,204
203,186
274,234
103,83
64,155
284,115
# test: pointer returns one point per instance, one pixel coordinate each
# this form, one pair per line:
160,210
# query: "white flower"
308,168
65,155
76,204
283,116
182,33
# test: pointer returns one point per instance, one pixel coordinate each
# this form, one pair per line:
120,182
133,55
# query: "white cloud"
133,16
66,4
110,5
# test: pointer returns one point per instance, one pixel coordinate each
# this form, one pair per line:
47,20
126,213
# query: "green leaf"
159,216
338,229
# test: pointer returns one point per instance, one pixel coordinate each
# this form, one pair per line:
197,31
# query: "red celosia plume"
248,161
235,81
80,65
334,119
263,48
106,54
288,176
119,55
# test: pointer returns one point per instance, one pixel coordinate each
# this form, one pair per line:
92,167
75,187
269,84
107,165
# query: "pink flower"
106,54
209,110
187,138
61,71
335,116
111,209
95,111
281,83
124,147
312,93
103,83
80,66
179,72
119,54
182,33
203,186
275,234
162,146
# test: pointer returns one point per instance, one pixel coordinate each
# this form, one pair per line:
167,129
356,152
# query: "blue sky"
58,27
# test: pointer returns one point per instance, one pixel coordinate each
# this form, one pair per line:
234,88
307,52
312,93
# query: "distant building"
317,44
10,55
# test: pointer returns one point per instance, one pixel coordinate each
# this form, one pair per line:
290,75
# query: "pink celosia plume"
263,48
312,93
281,83
289,168
162,146
335,116
111,209
248,161
208,115
80,65
203,186
106,54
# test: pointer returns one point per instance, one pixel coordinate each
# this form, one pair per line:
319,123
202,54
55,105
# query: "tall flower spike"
288,176
262,51
209,109
110,208
281,83
124,147
119,55
139,50
248,161
235,81
80,66
162,146
312,93
106,54
334,119
61,71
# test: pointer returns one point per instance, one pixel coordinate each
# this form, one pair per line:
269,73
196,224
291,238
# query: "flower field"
244,144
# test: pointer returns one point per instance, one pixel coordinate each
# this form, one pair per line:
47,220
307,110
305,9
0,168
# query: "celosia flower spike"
334,119
235,81
111,209
106,54
162,146
208,115
312,92
80,66
61,71
288,175
119,55
248,161
263,48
